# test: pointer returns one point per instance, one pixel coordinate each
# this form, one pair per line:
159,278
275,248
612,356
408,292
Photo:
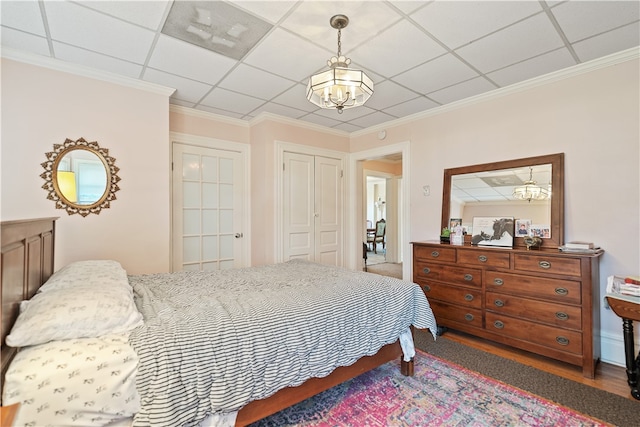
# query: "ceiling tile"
296,98
96,60
149,14
513,44
456,23
231,101
347,127
463,90
436,74
411,107
322,121
372,119
400,47
272,11
581,19
389,93
24,42
408,6
280,53
608,43
366,19
22,15
186,89
533,67
251,81
181,58
82,27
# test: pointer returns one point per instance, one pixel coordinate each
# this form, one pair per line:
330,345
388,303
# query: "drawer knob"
468,317
562,316
561,291
499,303
426,288
468,297
498,324
544,264
435,254
562,340
482,258
498,282
468,277
426,270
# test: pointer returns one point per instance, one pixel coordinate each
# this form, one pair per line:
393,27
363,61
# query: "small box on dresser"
543,301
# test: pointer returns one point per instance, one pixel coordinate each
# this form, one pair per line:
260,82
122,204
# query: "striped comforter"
214,341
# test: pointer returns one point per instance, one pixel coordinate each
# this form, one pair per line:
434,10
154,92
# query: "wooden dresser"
543,301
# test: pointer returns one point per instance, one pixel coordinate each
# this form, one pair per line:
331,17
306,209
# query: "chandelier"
531,190
340,87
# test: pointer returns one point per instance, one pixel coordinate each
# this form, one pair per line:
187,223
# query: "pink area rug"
439,394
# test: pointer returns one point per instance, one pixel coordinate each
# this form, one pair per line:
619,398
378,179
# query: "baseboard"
612,349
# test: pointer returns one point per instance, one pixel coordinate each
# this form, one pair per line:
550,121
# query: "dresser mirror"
80,177
529,190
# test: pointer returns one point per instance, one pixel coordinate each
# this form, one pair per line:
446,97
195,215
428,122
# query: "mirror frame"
50,176
557,192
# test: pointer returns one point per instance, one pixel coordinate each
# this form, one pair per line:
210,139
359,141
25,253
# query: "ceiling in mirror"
498,185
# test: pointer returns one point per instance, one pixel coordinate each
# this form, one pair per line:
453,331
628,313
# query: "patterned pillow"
90,273
74,313
83,382
81,300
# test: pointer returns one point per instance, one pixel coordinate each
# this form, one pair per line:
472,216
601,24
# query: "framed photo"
522,227
540,230
493,231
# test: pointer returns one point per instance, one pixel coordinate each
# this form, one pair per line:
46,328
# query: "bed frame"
27,262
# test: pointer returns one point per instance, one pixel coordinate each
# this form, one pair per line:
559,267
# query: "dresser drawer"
562,291
561,315
547,264
454,313
549,336
453,294
448,273
485,258
434,253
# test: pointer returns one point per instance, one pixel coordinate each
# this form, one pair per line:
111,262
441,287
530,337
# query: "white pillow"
83,382
91,273
81,312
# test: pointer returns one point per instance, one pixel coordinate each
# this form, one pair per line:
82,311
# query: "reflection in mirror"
80,177
507,189
495,193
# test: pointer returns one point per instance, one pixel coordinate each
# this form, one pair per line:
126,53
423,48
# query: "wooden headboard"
27,262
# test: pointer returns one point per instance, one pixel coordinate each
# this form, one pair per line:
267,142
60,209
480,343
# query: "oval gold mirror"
80,177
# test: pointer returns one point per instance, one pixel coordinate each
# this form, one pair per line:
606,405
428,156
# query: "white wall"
42,107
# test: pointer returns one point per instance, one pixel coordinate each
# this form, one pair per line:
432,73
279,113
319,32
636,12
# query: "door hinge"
341,173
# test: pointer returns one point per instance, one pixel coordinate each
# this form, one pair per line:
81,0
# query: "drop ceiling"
420,54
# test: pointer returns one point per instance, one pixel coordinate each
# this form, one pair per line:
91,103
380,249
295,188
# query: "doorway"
396,192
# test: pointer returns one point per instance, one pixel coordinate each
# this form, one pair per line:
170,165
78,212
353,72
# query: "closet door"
312,208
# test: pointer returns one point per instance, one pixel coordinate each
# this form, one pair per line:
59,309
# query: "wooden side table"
628,310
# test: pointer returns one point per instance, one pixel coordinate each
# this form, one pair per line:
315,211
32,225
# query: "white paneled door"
312,204
207,208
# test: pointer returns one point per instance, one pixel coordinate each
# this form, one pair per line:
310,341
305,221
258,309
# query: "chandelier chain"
339,42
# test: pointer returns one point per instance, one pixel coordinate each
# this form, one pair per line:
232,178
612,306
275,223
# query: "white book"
579,245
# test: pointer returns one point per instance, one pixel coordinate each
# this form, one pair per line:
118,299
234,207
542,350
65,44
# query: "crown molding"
83,71
576,70
188,111
264,116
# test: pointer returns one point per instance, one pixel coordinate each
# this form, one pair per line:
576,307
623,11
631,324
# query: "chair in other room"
378,237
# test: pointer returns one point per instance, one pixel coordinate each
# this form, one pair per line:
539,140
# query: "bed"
245,370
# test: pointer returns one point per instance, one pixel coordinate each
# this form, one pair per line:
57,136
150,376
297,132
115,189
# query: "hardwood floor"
609,377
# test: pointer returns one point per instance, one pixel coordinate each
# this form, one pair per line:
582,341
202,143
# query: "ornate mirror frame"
50,175
557,191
